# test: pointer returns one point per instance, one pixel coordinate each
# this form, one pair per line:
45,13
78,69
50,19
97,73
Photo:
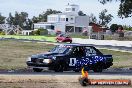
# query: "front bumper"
39,65
45,68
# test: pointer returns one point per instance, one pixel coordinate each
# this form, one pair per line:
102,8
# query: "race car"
63,38
73,57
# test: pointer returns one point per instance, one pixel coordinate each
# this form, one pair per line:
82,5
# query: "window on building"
66,19
68,9
50,27
62,19
71,18
73,9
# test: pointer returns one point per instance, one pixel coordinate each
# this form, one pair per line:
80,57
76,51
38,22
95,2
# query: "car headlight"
47,60
29,59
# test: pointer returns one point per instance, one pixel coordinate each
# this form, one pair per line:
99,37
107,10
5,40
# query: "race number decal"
72,62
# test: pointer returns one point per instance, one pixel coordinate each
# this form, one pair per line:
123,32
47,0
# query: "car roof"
76,44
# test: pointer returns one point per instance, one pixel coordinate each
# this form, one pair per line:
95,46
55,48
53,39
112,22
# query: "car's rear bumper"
68,40
107,65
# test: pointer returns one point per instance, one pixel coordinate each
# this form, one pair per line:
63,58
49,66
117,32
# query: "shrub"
2,33
40,31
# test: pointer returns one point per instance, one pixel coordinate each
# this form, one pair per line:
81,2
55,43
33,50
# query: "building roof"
64,13
71,5
44,23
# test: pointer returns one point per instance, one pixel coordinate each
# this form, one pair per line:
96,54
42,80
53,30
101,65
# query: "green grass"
13,54
47,38
121,59
78,36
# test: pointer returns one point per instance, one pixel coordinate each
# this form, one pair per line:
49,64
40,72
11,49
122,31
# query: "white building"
68,21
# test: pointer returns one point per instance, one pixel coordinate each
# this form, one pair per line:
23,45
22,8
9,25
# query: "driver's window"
61,35
79,51
90,51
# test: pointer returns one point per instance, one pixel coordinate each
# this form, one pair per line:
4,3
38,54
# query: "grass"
47,38
121,59
13,54
115,37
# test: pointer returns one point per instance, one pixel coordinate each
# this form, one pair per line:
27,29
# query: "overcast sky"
35,7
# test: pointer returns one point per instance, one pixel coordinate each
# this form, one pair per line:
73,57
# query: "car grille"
36,60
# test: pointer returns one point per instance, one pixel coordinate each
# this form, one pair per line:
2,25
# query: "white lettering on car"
73,62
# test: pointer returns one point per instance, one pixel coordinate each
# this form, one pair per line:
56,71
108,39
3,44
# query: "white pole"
89,31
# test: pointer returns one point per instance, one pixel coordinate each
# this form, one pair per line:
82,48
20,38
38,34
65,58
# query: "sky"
35,7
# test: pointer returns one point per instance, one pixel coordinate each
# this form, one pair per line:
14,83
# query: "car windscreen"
60,49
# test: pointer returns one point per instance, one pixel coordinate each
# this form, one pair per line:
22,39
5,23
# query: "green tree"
10,19
93,18
2,19
114,27
129,28
20,19
28,24
104,18
125,7
80,13
35,19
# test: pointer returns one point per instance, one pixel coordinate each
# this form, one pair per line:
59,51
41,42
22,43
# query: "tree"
104,19
35,19
20,19
80,13
113,27
125,7
2,19
93,18
43,17
10,19
129,28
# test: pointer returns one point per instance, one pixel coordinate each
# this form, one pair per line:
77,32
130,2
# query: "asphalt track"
117,48
109,72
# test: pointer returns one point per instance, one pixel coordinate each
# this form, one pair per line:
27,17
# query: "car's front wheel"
58,68
37,70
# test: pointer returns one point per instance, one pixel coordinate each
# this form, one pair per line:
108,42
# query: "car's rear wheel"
37,70
76,70
98,67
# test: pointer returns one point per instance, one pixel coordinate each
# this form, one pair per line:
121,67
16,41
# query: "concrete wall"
82,21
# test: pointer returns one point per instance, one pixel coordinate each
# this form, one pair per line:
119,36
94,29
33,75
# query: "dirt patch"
40,81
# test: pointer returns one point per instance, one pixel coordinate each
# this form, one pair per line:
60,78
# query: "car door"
93,55
85,57
60,38
76,57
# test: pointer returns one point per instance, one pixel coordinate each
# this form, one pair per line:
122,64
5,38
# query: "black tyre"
98,67
58,68
76,70
37,70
